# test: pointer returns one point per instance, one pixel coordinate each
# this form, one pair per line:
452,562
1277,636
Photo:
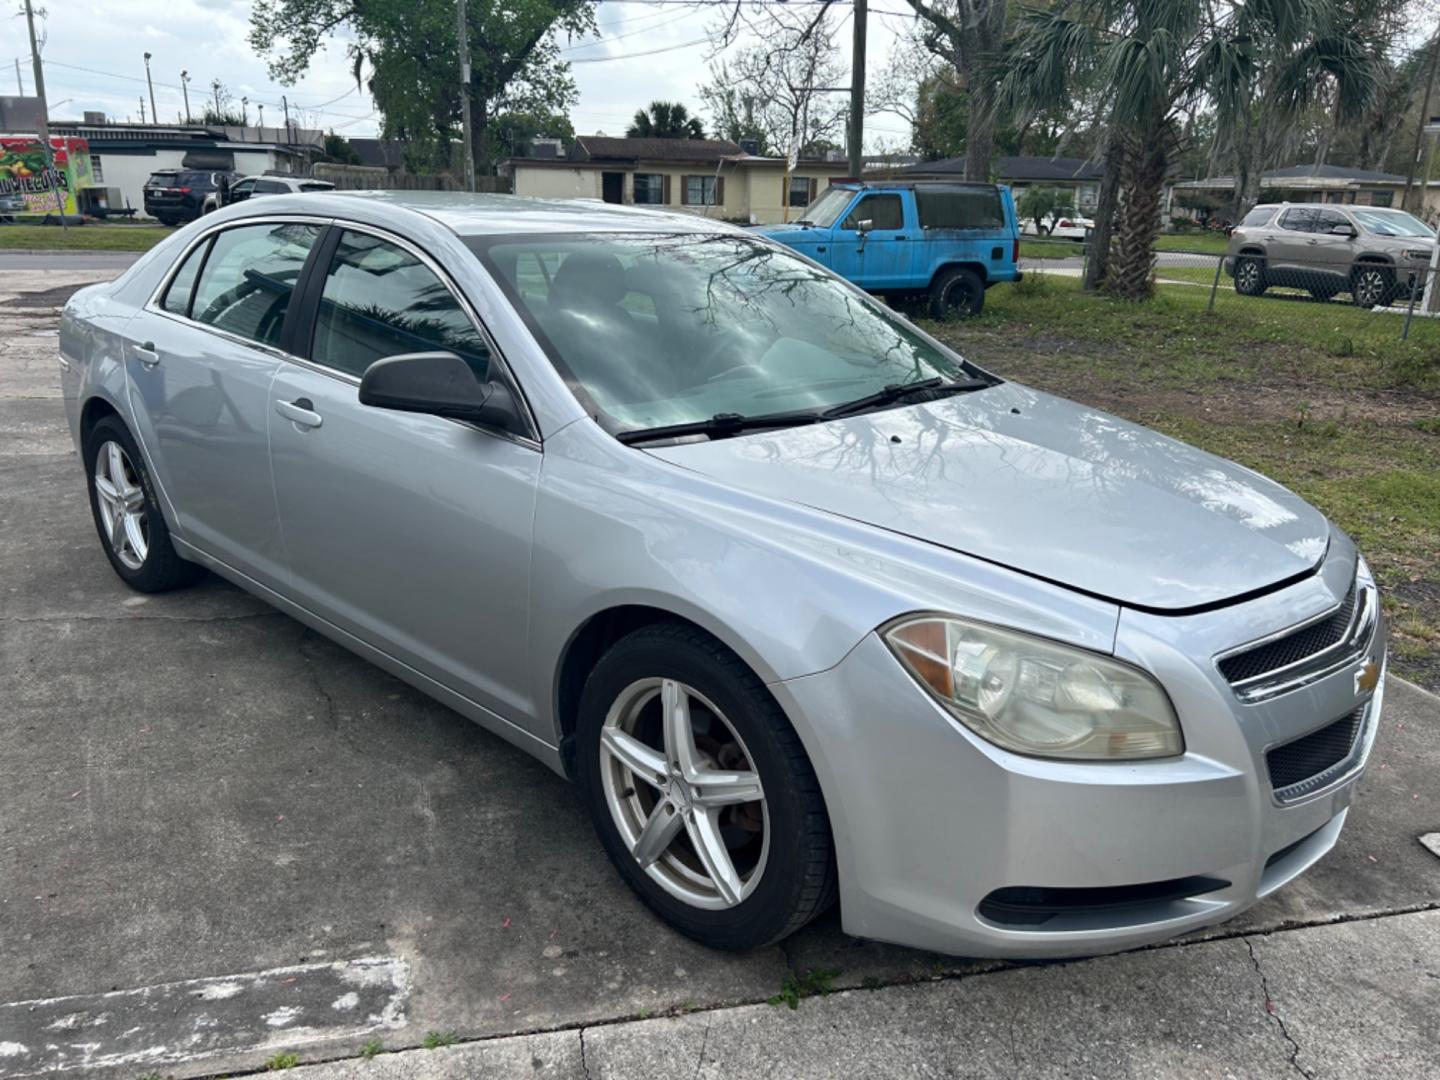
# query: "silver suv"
1375,254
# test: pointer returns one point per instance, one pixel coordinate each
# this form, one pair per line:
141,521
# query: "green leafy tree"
1038,203
338,148
409,48
665,120
1156,60
515,132
734,115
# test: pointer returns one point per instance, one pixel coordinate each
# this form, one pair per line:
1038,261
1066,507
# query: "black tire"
799,879
956,293
1372,285
1250,277
162,569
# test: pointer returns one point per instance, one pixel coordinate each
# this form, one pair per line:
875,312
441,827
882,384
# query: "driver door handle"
146,354
300,411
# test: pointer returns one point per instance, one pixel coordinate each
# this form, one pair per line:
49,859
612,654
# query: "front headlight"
1034,696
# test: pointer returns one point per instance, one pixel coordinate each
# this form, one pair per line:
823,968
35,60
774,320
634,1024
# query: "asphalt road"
223,837
67,261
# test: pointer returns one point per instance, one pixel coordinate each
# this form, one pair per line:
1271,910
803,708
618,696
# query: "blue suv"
945,242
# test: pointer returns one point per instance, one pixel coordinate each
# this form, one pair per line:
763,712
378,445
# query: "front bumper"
938,833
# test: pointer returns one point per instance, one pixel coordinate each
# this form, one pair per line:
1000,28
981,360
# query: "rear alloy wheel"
131,528
956,294
1250,276
700,790
1371,286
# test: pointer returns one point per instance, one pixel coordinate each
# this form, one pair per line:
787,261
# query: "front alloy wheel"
681,790
701,791
1371,287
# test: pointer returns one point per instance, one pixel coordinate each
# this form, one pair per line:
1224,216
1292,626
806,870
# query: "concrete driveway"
223,838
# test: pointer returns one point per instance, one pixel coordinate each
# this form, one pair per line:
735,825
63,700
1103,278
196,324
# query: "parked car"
945,243
1376,254
1064,227
808,604
266,185
175,196
10,205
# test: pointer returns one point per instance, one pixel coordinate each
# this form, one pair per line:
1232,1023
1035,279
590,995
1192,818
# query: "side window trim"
298,336
310,306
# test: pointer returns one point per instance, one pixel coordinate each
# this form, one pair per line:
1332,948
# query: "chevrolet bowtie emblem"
1367,678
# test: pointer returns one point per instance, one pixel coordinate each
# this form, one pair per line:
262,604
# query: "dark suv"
1374,253
178,195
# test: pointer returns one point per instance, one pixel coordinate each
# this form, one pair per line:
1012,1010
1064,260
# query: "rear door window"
1298,220
246,286
960,208
380,300
270,187
177,296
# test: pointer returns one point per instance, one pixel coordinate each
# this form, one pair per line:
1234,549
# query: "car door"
879,259
1289,250
242,189
1331,254
199,362
409,531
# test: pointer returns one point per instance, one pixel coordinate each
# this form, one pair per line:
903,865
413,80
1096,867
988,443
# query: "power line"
632,56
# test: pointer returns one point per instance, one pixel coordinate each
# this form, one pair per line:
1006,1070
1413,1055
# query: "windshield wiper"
720,426
889,395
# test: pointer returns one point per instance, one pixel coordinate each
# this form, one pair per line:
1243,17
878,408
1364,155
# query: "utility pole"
216,87
142,108
185,89
285,104
18,79
855,135
261,107
244,112
462,30
154,112
1420,128
44,124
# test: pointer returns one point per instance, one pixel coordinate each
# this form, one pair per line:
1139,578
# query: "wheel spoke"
135,533
134,500
117,469
710,846
680,749
106,488
713,787
117,531
643,761
660,829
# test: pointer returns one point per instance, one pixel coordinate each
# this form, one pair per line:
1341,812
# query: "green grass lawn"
1033,248
1323,397
1210,243
82,237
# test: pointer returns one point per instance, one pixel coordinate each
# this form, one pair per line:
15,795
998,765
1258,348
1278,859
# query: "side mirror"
439,384
1343,230
865,225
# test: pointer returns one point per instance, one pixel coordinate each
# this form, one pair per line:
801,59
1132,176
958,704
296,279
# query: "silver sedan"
808,605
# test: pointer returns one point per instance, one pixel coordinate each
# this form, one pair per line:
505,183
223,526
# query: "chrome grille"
1292,648
1299,766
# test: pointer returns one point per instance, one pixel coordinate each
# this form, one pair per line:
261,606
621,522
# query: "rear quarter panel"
992,250
92,353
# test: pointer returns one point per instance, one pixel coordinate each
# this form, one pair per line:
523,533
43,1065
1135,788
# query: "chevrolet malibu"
809,606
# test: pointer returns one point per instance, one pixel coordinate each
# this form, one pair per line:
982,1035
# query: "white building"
123,155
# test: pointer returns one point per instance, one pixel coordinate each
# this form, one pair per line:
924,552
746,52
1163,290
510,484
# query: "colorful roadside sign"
23,171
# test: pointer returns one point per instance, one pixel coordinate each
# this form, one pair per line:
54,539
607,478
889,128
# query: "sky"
94,61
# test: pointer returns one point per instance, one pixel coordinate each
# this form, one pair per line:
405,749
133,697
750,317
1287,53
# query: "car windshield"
823,212
1392,223
656,330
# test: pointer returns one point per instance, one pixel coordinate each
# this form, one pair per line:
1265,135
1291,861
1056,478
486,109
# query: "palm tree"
1159,60
665,120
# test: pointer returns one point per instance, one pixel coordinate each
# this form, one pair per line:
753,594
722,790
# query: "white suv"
266,185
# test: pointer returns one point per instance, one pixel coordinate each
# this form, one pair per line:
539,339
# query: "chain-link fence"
1314,270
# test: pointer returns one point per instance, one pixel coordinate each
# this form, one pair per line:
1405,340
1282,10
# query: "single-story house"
713,177
1296,183
1080,176
123,155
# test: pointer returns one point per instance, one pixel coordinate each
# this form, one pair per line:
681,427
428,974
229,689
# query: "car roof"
491,215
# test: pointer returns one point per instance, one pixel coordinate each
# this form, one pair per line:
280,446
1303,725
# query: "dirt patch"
46,298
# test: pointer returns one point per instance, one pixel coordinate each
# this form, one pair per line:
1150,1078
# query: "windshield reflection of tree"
753,295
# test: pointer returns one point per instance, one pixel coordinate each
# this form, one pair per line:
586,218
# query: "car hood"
1043,486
